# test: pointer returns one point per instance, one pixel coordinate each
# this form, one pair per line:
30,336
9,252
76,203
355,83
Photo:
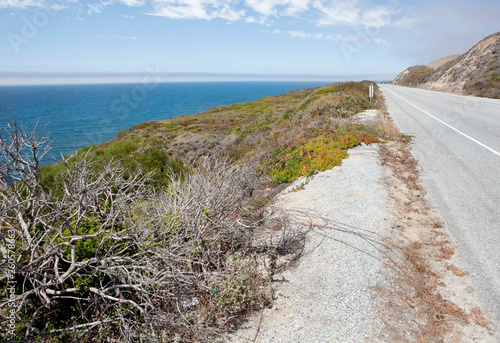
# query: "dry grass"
476,314
455,270
437,223
446,252
423,244
384,125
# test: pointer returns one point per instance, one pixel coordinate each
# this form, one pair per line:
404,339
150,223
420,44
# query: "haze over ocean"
81,115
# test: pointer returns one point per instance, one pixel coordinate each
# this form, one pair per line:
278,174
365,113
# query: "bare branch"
106,248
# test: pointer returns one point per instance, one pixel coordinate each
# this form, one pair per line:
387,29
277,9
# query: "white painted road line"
448,125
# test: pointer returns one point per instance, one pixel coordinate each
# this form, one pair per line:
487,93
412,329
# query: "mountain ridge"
477,72
439,62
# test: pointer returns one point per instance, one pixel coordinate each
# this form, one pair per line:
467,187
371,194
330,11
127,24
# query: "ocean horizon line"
151,76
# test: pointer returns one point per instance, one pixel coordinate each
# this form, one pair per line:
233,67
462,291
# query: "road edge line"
448,125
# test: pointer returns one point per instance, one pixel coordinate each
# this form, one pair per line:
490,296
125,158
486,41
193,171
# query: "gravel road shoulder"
331,295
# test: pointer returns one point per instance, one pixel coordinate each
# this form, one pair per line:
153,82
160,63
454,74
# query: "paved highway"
456,140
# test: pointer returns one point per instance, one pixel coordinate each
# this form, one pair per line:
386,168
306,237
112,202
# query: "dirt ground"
437,295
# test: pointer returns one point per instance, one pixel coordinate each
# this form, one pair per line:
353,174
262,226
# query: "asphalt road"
456,140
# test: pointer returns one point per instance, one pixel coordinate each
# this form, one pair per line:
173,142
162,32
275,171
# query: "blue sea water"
81,115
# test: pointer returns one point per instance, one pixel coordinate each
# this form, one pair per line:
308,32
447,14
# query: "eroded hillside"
476,72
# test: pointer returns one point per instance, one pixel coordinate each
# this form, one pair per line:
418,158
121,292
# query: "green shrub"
236,294
291,168
151,160
495,77
315,154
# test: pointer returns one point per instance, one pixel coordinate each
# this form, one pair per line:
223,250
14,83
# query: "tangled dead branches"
102,256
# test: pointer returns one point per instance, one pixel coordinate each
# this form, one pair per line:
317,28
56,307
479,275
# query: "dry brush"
102,256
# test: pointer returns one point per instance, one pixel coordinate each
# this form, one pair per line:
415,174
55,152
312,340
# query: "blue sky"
56,40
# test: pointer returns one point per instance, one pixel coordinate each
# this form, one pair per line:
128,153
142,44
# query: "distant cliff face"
438,63
477,72
413,76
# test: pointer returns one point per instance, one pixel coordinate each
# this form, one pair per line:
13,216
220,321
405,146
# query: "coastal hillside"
413,76
439,62
167,233
298,128
477,72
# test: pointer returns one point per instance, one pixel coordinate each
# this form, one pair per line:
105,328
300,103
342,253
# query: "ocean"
82,115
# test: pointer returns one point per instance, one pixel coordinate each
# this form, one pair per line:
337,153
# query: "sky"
76,41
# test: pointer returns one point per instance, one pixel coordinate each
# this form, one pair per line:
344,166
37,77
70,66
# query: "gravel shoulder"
331,294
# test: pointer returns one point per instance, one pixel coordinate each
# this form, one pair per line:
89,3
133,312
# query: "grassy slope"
413,75
305,129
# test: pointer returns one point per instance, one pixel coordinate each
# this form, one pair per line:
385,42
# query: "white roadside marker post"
370,93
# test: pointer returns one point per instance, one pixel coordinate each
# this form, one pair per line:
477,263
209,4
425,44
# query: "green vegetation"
155,235
492,63
319,153
245,131
495,77
132,158
293,134
414,76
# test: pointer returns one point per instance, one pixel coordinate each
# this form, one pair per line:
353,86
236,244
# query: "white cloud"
341,38
278,7
99,7
262,20
124,37
322,12
376,17
406,23
263,12
338,13
60,4
95,8
303,34
196,9
297,6
133,3
57,7
299,34
321,36
263,7
21,3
